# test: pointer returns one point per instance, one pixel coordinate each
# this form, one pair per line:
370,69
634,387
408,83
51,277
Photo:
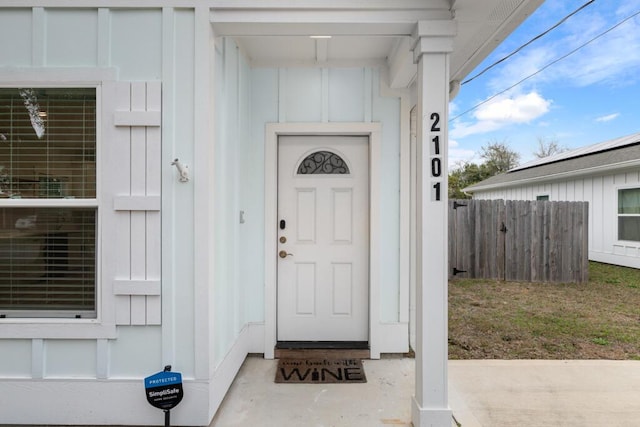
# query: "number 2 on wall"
436,120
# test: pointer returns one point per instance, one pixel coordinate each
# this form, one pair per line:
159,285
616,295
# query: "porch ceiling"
374,32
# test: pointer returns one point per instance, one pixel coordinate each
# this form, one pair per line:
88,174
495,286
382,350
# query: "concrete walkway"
485,393
528,393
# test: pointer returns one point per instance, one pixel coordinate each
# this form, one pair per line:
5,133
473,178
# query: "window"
629,214
542,197
323,162
48,205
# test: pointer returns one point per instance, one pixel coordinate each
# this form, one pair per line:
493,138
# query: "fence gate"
533,241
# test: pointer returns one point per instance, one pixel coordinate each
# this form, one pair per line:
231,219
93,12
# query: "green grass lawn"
507,320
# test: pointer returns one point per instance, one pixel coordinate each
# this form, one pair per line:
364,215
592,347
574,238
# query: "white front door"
323,238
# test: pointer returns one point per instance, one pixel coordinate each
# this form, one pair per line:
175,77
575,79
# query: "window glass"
323,162
47,143
629,214
47,245
542,197
629,228
47,259
629,201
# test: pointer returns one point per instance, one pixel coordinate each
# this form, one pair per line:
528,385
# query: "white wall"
317,95
165,49
234,287
178,136
601,193
219,331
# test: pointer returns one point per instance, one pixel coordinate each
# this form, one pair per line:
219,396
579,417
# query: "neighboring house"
186,182
607,175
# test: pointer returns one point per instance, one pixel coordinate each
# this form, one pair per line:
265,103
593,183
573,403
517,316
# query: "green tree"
464,175
498,158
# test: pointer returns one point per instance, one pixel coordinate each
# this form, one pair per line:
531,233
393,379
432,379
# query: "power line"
547,66
529,42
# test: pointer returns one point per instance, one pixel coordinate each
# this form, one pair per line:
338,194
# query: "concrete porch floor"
490,393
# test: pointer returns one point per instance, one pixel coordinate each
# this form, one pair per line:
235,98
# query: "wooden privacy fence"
516,240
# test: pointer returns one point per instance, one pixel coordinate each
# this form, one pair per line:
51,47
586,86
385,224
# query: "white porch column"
434,42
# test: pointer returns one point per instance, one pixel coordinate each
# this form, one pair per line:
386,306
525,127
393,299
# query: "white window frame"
103,325
617,215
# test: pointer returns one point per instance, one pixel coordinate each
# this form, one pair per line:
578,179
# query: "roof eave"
596,170
462,67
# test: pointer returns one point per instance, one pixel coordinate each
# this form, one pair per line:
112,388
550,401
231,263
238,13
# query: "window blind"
47,259
48,143
47,250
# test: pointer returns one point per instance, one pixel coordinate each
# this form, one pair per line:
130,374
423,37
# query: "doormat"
320,371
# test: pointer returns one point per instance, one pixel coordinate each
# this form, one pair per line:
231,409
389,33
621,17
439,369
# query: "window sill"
55,329
627,243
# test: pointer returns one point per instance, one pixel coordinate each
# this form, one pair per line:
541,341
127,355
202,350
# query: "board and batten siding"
319,95
601,193
342,95
148,305
200,314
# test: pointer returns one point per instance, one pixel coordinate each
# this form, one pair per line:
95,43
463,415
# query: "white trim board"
56,76
616,259
120,402
126,394
273,131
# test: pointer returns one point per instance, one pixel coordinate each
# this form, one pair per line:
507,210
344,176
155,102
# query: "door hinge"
457,205
456,271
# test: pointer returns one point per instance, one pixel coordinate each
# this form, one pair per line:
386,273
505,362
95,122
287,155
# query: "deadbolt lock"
283,239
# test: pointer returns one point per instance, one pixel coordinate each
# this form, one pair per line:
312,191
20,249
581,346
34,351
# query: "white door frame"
272,132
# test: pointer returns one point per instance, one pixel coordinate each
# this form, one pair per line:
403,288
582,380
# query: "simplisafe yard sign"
164,390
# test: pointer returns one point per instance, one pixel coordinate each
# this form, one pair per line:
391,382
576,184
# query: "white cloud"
612,59
627,7
607,118
519,67
501,112
453,108
459,155
519,109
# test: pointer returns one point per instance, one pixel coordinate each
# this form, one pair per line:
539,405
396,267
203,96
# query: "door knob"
284,254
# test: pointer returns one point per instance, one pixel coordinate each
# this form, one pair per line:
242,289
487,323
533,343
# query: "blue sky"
591,96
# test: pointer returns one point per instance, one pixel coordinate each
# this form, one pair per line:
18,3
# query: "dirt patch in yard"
507,320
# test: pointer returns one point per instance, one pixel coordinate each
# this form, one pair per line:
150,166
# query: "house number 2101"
435,156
